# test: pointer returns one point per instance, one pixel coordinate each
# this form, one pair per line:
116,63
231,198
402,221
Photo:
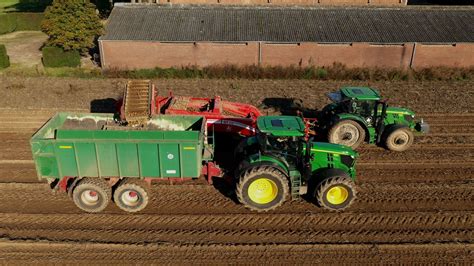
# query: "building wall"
278,2
453,55
351,54
134,55
137,55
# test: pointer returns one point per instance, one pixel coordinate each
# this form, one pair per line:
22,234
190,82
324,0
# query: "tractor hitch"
422,127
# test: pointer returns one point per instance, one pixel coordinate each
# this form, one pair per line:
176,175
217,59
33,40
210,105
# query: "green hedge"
7,23
4,59
11,22
56,57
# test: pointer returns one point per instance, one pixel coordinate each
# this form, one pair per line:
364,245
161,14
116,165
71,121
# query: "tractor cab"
358,100
280,132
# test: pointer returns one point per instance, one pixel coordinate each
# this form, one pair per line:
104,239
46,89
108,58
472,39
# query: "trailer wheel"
347,132
262,188
336,192
399,139
92,194
131,196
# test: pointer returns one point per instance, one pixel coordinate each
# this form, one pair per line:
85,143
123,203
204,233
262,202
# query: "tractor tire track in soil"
414,206
204,199
86,252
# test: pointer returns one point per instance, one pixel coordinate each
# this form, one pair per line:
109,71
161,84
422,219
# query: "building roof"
289,25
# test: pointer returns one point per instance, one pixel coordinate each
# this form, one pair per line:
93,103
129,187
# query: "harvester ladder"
137,101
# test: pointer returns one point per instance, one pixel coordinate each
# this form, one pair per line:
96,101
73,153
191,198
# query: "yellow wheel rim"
262,191
337,195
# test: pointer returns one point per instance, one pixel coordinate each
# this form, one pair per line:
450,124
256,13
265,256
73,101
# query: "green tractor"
280,162
358,114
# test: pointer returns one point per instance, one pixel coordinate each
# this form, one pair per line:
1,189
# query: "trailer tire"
92,194
262,188
131,196
347,132
399,138
336,192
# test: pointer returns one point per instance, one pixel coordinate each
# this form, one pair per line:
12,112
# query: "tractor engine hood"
333,148
399,110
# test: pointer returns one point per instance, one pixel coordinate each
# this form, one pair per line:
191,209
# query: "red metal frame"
221,116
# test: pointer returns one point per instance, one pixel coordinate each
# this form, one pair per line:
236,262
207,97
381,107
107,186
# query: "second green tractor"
358,114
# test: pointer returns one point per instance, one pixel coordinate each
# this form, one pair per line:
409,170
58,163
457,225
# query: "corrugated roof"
240,24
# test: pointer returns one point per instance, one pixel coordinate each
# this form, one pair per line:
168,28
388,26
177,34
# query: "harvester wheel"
347,132
262,188
336,192
131,196
399,139
92,194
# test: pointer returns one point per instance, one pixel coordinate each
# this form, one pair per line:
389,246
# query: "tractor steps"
137,101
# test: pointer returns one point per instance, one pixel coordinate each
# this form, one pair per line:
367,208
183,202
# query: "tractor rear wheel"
92,194
131,196
336,192
347,132
399,139
262,188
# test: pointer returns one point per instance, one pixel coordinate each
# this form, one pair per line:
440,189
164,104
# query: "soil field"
415,206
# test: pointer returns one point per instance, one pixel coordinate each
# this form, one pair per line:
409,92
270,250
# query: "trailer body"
88,147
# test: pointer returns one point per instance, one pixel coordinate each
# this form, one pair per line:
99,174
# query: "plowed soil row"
204,199
247,221
47,251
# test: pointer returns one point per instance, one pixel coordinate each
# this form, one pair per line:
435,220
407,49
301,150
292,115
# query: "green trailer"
93,150
96,159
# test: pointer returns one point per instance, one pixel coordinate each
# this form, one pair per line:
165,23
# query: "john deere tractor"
359,114
281,162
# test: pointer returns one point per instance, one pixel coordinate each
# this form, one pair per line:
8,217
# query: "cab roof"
281,126
360,93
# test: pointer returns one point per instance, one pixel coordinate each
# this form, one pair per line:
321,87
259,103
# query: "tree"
72,25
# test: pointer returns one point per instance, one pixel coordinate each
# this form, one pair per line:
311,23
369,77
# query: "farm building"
147,36
279,2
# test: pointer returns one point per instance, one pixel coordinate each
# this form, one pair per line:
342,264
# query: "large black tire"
336,192
399,139
347,132
262,188
92,194
131,195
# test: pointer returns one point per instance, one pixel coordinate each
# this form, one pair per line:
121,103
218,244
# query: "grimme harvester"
95,159
140,101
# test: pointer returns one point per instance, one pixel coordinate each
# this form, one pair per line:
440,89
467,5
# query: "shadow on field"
286,106
108,105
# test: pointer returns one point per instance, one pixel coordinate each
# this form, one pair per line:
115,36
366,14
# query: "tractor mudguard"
262,160
356,118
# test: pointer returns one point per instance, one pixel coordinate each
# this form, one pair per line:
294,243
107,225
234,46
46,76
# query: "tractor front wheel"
262,188
399,139
131,196
347,132
92,194
336,193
